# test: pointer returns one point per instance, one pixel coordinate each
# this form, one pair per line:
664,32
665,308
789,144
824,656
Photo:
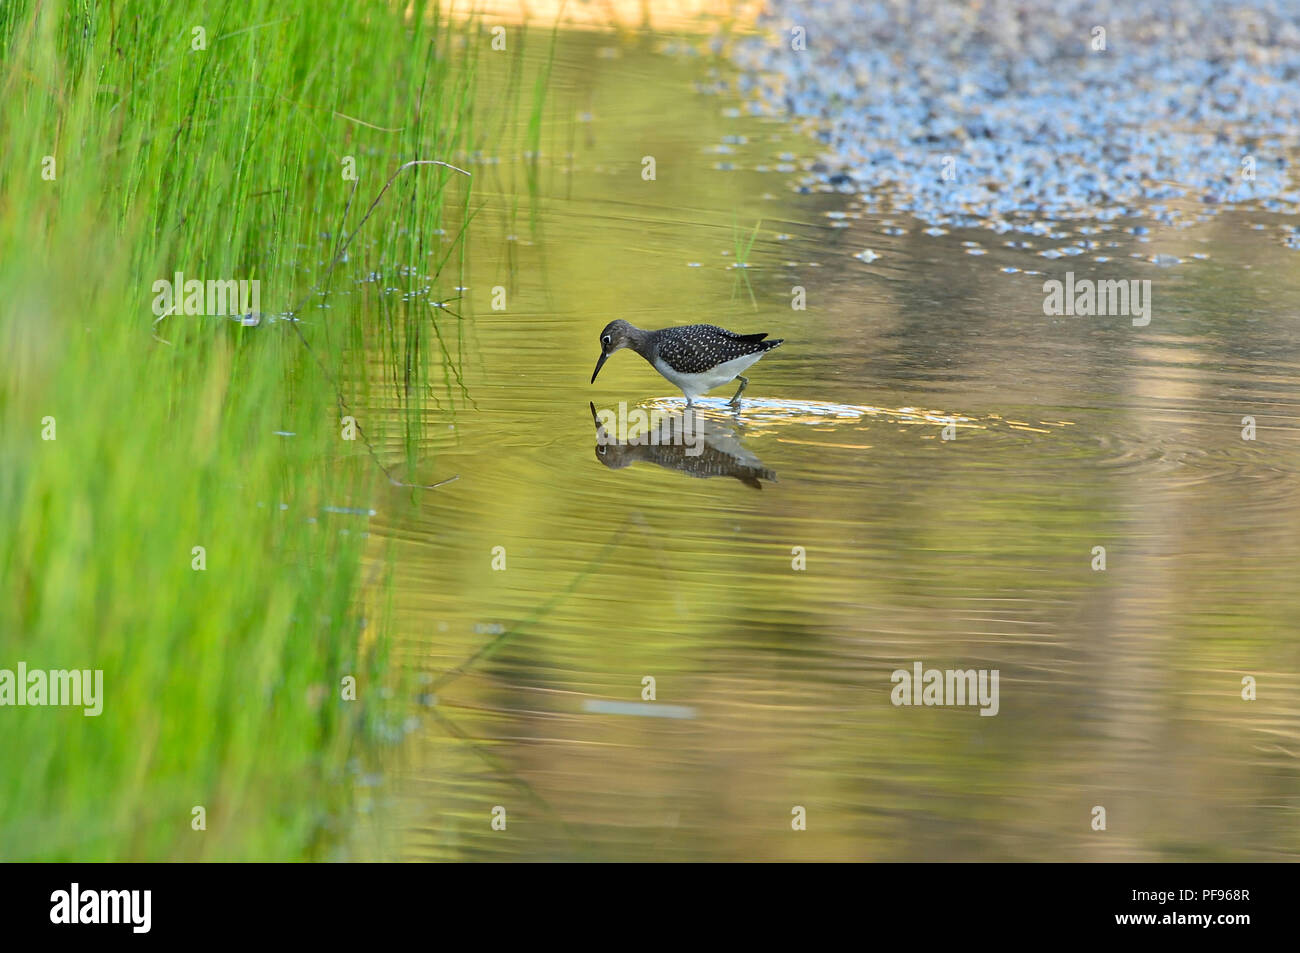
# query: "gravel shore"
1008,114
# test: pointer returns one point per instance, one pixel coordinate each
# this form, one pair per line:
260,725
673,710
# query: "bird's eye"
605,340
601,451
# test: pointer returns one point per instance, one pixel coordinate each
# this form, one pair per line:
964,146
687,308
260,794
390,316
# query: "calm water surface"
1119,689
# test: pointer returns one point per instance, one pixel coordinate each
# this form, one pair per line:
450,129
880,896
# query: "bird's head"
617,335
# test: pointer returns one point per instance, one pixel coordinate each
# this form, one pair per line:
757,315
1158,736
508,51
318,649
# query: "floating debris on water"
348,510
602,706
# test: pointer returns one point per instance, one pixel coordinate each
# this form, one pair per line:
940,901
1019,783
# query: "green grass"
741,245
222,686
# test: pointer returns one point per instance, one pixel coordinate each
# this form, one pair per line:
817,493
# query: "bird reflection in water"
688,441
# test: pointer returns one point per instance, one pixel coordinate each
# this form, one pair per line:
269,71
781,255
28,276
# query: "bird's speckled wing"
698,347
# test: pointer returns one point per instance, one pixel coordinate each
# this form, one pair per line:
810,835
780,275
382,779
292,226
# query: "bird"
695,357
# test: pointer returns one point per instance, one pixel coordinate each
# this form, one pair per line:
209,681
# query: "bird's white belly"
693,385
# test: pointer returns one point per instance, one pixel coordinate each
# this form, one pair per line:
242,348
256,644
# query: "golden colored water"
1119,688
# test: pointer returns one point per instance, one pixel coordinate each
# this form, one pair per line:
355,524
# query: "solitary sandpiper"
697,357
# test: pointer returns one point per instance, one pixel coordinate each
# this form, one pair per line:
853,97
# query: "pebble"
1004,116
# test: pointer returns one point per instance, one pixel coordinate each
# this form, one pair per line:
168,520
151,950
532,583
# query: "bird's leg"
744,382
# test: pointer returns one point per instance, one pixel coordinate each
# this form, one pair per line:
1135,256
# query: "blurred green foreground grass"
207,139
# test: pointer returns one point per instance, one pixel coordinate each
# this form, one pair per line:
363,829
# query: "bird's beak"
594,418
599,364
